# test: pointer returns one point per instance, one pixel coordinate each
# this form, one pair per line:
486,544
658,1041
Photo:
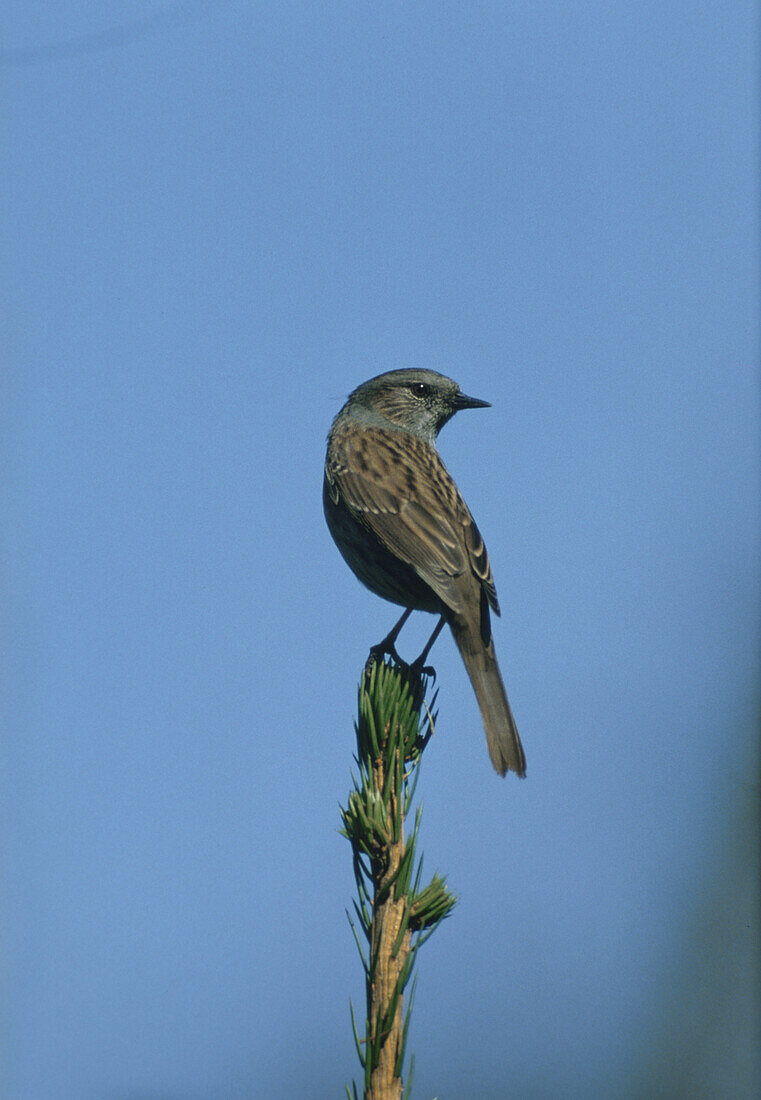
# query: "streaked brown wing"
400,489
479,562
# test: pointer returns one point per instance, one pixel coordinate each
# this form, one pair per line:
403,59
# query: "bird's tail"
502,738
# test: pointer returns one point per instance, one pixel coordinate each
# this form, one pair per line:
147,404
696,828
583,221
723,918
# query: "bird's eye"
419,389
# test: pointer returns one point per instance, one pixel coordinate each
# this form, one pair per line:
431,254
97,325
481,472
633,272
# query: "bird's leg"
419,663
388,645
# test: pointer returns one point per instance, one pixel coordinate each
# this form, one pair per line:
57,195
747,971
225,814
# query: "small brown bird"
402,526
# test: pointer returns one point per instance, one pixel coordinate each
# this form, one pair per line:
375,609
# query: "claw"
385,649
417,668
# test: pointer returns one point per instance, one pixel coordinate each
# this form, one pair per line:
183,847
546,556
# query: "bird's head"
418,401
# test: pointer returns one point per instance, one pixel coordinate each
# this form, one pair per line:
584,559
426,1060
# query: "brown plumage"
404,529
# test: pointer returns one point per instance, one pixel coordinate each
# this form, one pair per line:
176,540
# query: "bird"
402,526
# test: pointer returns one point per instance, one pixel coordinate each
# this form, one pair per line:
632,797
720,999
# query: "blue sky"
219,219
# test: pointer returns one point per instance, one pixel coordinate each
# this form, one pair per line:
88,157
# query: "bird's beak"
462,401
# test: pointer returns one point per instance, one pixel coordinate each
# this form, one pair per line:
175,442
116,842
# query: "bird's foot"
388,649
417,668
383,649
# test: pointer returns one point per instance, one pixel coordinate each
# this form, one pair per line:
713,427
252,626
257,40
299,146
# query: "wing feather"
398,487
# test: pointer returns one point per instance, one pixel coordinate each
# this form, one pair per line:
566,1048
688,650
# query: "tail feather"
502,738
